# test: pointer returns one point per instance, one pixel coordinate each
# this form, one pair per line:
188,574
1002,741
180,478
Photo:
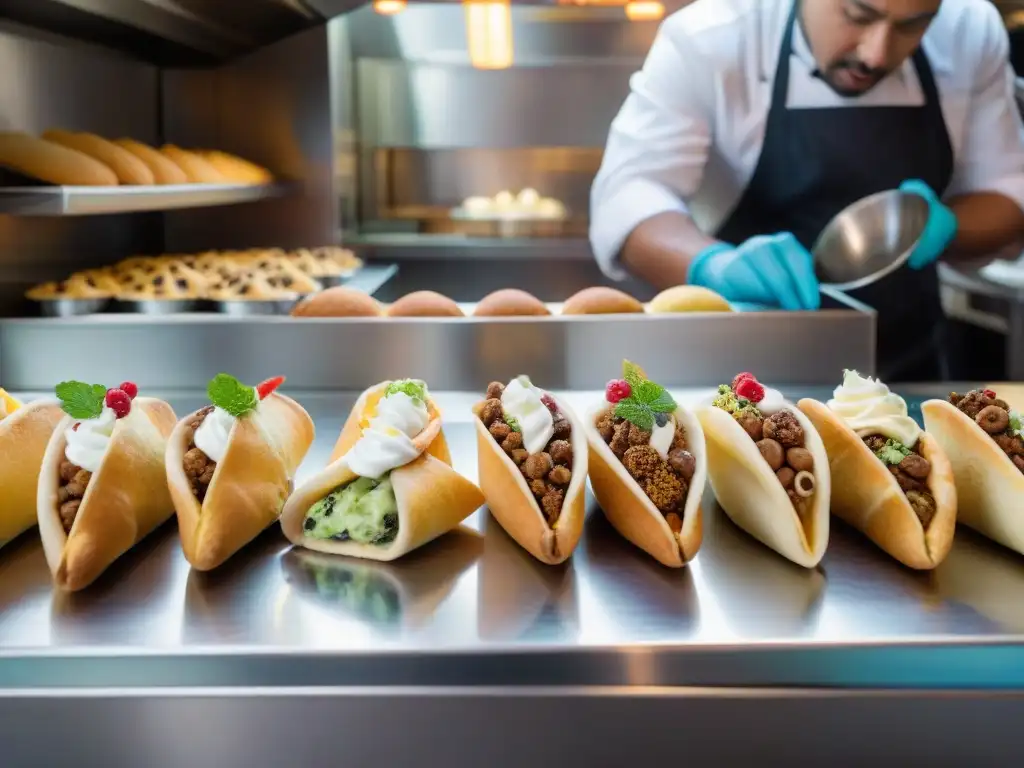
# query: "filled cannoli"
102,486
532,458
389,487
984,440
230,466
648,465
768,468
890,479
24,432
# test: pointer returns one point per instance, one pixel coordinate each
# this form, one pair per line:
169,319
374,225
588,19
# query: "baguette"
198,169
128,168
164,170
51,162
236,169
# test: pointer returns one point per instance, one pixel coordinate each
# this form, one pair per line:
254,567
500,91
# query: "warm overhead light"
644,10
388,7
489,33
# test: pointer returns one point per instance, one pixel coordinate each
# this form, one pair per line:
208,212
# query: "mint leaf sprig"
80,400
229,394
646,401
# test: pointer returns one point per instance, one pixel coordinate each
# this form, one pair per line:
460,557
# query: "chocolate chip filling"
73,482
199,467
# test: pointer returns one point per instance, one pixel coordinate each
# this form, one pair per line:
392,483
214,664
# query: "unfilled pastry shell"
752,496
629,510
867,496
125,500
24,435
513,505
432,497
989,488
250,485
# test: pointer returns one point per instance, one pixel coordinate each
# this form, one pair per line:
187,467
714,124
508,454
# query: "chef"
754,122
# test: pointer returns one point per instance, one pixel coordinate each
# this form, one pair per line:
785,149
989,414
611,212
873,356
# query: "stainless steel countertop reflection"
473,608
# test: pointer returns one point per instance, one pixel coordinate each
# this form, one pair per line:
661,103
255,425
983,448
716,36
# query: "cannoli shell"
127,497
629,510
512,504
24,435
250,485
752,496
432,497
990,489
867,496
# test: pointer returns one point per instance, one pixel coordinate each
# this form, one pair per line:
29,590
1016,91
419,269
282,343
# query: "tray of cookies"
256,281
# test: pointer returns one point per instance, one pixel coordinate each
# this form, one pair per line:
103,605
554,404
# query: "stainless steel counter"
471,630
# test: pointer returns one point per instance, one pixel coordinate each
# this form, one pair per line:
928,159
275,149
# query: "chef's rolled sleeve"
657,146
992,159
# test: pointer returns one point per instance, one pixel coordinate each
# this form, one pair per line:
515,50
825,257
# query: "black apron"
815,162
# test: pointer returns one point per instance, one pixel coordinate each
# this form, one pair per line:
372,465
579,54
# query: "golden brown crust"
236,170
196,168
513,505
424,304
629,510
127,167
51,162
164,170
125,500
250,485
24,435
867,496
688,298
752,496
510,302
338,302
990,489
601,300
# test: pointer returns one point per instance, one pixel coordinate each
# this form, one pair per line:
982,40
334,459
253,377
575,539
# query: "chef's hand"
938,232
767,269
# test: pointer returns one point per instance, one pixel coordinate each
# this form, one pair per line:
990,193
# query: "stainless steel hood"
169,32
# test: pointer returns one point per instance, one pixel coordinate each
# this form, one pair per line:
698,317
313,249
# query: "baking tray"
82,201
474,610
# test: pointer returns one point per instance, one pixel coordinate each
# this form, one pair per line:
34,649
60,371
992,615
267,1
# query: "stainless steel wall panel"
458,354
438,106
273,107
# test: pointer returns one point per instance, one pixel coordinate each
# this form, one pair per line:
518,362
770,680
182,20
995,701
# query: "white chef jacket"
689,135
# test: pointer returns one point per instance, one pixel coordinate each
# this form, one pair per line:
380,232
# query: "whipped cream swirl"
387,442
522,401
212,436
87,444
869,408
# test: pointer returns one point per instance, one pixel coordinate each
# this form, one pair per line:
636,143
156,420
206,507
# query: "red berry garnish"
130,388
750,390
989,393
119,402
616,390
549,402
77,424
264,388
740,377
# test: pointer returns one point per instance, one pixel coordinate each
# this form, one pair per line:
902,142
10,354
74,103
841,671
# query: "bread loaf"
197,168
164,170
51,162
128,168
236,169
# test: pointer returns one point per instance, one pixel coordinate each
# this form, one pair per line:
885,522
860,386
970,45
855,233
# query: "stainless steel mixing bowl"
870,239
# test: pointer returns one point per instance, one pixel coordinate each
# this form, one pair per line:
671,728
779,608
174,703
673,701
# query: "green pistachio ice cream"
364,511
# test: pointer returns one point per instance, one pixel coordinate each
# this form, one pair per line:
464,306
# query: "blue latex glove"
768,269
938,232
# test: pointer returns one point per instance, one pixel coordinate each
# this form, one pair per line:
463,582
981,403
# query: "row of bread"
511,302
262,273
85,159
101,468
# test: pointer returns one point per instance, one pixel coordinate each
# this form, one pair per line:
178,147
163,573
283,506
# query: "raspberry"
989,393
266,387
740,377
130,388
616,390
751,390
119,402
549,402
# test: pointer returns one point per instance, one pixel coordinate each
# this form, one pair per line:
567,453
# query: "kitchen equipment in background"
869,239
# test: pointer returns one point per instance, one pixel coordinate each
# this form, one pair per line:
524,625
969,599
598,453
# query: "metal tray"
473,609
81,201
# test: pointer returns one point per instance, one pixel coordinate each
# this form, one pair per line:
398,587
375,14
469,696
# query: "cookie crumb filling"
1004,425
199,468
